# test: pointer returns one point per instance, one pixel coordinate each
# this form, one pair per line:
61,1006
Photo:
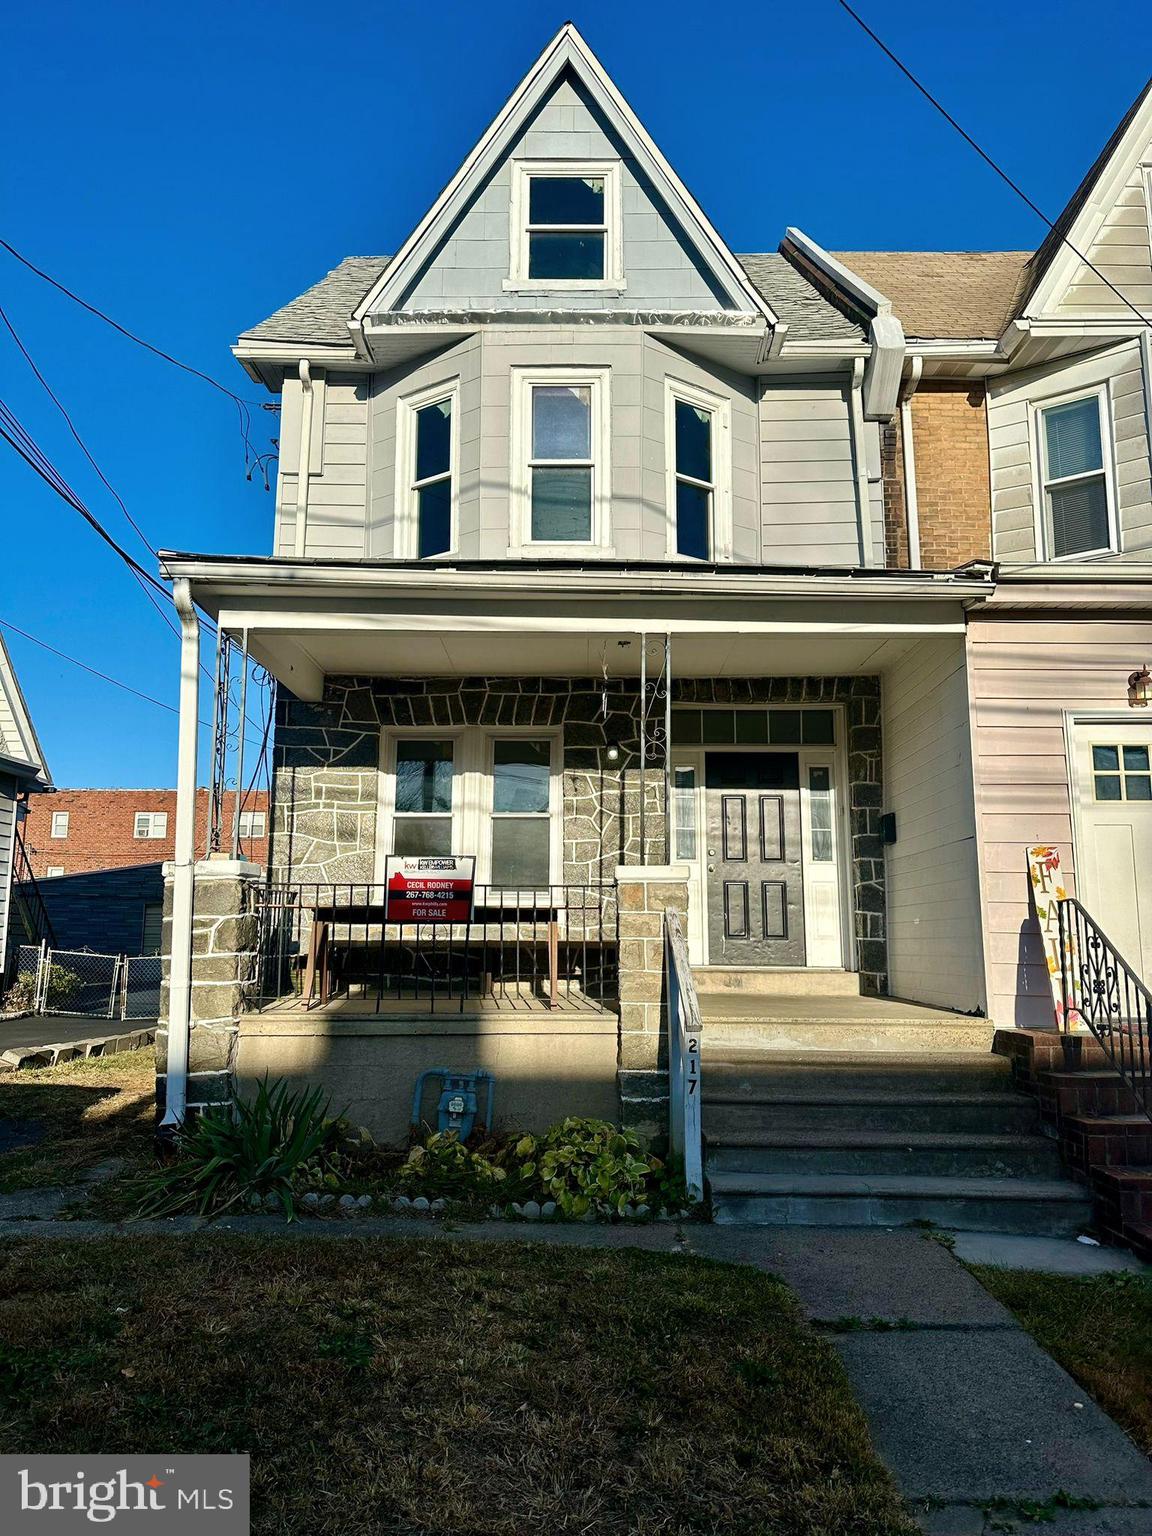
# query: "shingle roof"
953,294
808,315
321,315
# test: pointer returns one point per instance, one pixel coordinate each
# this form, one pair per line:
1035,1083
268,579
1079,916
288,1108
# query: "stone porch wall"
327,755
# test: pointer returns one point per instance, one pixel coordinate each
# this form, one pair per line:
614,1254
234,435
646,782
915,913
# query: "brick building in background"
75,831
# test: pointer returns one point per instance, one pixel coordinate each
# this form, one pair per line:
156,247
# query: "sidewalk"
973,1418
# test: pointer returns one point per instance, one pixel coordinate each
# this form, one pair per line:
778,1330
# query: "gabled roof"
1064,228
320,316
566,53
960,295
20,750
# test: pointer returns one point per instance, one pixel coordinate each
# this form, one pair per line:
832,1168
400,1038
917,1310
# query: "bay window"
559,459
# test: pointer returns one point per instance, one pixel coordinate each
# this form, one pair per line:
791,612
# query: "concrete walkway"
975,1421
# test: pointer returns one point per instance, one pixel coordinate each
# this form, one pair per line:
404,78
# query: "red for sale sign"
430,889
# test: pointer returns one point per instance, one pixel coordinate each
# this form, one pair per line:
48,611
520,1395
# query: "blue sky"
189,169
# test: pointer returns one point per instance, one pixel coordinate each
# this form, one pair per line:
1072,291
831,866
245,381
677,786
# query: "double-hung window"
150,824
566,225
521,811
252,824
426,488
1077,495
425,773
699,514
59,824
560,458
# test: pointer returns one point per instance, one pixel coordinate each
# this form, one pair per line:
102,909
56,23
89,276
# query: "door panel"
1114,854
754,858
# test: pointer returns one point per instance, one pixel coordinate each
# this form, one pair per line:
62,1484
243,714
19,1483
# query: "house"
23,773
599,558
97,859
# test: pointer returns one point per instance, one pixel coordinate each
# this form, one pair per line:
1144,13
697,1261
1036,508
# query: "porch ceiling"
442,653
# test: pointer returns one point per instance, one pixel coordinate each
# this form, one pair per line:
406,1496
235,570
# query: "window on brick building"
252,823
53,871
59,823
150,824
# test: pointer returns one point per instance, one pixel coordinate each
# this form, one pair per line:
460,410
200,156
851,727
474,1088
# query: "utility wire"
95,672
987,158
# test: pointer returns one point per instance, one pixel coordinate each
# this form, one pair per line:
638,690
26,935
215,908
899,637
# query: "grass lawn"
89,1111
439,1387
1099,1328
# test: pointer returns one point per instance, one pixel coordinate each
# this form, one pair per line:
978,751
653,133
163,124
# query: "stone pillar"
643,892
223,962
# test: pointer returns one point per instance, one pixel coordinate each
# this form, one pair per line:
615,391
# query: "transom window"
753,727
560,458
1076,491
1121,773
567,227
426,473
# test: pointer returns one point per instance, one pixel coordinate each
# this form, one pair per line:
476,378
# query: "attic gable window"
566,226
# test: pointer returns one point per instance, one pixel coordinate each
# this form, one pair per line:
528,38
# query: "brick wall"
950,437
101,823
895,512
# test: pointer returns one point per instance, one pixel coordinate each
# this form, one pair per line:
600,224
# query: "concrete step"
1039,1207
830,1030
865,1153
728,980
764,1109
750,1071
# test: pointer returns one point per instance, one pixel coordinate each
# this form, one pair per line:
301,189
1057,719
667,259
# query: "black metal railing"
549,946
1101,989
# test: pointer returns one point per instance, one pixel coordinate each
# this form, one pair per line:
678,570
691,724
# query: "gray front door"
753,847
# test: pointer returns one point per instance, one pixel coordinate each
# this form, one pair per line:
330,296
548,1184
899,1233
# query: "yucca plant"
244,1147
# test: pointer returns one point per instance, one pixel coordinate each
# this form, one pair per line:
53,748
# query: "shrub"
444,1167
243,1148
590,1166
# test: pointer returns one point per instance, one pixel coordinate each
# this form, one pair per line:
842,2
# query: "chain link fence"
81,983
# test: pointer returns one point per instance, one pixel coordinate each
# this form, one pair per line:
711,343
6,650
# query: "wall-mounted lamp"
1140,688
612,751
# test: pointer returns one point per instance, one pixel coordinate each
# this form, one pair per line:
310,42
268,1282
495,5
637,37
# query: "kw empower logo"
140,1494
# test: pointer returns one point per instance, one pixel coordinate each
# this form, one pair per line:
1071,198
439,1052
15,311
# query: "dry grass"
89,1111
1099,1327
436,1387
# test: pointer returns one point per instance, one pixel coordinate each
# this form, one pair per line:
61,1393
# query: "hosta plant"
591,1166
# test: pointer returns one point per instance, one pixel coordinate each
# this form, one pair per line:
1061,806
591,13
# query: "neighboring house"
23,774
81,830
597,548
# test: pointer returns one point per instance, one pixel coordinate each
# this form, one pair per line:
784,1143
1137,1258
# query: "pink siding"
1023,674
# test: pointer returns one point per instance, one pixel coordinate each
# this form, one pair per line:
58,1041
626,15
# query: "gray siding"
1012,404
470,267
338,467
811,510
7,841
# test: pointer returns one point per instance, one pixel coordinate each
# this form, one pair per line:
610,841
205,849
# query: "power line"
95,672
987,158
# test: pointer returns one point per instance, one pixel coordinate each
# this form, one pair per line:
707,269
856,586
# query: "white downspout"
859,454
183,862
302,477
908,450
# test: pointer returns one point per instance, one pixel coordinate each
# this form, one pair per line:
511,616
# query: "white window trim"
472,790
721,409
251,817
54,872
520,446
407,502
613,279
60,818
1043,522
151,835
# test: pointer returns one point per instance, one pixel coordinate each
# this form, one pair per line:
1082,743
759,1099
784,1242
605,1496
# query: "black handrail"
27,900
1102,989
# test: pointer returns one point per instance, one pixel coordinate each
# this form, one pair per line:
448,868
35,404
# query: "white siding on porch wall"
1025,673
934,944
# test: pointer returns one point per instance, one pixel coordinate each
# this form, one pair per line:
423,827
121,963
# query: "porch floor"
442,1005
